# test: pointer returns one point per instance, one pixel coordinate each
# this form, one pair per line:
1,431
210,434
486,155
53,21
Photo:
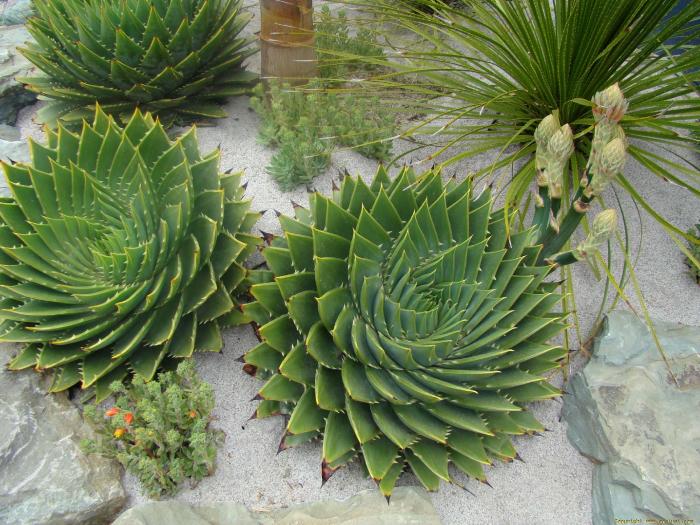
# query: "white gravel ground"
551,486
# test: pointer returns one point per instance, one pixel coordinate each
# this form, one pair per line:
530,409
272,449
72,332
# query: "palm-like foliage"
175,58
120,248
401,321
487,75
694,254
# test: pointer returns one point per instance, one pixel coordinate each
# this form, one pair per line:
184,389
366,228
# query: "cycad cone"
399,322
120,249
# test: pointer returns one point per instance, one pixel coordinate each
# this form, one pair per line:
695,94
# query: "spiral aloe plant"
120,249
398,320
175,58
408,321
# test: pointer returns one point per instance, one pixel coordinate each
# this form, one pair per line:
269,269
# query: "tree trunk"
287,40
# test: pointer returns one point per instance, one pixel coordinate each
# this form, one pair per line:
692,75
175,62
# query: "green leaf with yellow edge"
279,388
471,468
380,454
329,389
306,416
298,366
264,356
361,420
340,438
427,477
434,456
391,426
468,444
387,483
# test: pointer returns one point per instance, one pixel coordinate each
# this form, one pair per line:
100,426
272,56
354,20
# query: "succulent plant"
176,58
400,320
159,431
306,125
120,249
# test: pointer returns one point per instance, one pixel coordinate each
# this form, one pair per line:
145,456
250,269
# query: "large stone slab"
14,11
13,95
627,414
408,506
44,476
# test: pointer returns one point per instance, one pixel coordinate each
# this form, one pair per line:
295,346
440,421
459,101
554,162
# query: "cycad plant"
121,249
408,321
178,59
486,72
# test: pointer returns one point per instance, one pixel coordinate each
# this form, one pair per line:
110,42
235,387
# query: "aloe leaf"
306,416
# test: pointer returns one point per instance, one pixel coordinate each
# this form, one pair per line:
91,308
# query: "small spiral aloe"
120,249
176,58
405,320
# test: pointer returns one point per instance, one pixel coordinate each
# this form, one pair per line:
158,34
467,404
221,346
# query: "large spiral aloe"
408,320
401,321
120,248
176,58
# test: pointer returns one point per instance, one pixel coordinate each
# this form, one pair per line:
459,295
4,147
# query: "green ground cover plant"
307,123
408,320
159,431
178,59
333,33
122,250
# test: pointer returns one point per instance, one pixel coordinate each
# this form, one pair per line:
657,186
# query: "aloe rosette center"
120,248
400,321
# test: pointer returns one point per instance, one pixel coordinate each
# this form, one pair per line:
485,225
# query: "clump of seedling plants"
306,123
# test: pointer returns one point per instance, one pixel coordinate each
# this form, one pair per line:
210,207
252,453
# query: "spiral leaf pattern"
176,58
401,322
119,248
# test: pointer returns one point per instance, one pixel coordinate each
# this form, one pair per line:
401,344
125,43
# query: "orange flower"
128,418
192,414
112,412
119,432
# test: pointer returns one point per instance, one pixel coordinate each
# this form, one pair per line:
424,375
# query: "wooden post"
287,40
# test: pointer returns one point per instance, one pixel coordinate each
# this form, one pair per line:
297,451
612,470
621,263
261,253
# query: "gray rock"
14,11
409,506
13,95
12,148
627,414
9,133
45,479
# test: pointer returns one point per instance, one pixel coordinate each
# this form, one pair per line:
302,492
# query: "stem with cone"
607,159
